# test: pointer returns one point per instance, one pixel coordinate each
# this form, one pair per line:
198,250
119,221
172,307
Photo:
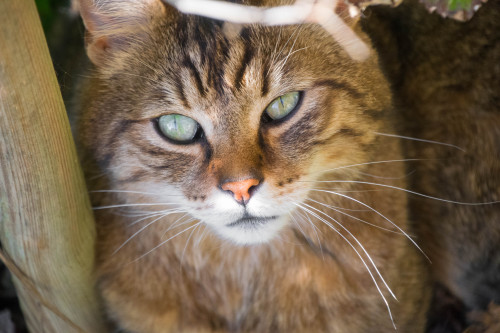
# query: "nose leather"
241,188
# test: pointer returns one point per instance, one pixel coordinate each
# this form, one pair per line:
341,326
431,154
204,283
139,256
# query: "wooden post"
46,226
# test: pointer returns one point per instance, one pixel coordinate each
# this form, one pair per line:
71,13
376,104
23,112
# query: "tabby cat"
232,178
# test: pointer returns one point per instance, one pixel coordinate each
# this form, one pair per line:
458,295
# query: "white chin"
248,234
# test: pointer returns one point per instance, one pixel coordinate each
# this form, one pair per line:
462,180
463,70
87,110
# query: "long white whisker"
411,192
138,232
148,216
382,177
139,213
162,212
165,241
346,191
200,238
421,140
187,242
301,230
360,257
176,224
287,41
133,213
133,205
354,217
381,215
285,60
136,192
338,207
360,245
374,162
280,64
315,229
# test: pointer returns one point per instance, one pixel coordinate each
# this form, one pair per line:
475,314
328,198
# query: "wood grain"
46,225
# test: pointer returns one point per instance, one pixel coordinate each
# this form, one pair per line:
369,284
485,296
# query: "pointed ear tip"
89,14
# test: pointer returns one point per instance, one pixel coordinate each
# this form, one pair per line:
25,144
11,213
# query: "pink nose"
241,189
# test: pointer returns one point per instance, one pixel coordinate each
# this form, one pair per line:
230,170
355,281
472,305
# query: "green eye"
283,105
178,127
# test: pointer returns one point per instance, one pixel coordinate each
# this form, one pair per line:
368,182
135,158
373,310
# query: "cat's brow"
338,85
265,79
247,58
181,94
188,63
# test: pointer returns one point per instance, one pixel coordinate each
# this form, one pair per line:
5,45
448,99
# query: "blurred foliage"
48,10
461,10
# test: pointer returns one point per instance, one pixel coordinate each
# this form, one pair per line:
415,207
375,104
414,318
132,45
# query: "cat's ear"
112,26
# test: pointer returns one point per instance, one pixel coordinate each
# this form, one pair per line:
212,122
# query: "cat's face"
231,129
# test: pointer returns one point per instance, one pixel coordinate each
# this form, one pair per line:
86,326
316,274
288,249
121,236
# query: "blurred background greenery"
64,33
49,9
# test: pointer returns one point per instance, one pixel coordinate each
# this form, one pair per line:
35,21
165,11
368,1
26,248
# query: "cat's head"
231,128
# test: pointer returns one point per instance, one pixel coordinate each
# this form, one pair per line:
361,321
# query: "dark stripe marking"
120,128
265,79
151,151
180,92
305,130
247,58
336,85
347,131
196,75
217,69
208,150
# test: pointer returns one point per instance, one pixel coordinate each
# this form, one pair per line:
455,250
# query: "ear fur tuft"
113,25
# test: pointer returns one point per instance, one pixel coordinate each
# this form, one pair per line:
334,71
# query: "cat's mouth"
251,221
251,229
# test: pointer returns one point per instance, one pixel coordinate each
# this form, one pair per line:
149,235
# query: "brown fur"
307,278
446,79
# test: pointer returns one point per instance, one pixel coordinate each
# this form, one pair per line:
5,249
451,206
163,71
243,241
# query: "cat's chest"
242,294
233,287
177,274
236,279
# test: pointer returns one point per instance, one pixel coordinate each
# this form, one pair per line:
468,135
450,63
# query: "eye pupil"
178,128
283,106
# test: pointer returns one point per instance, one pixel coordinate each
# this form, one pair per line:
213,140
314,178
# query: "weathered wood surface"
46,224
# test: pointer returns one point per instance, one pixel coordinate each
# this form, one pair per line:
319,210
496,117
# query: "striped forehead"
224,66
220,75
